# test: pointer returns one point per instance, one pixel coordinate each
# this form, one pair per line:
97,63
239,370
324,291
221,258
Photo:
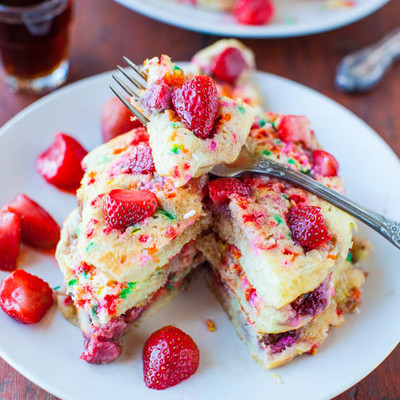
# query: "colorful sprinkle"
242,109
166,213
72,282
210,325
90,245
56,288
278,219
349,257
127,290
291,161
267,153
175,149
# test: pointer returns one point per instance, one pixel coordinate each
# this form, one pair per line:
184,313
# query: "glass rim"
33,14
42,6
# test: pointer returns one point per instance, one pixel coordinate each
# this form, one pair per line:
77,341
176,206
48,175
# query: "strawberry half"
220,189
229,64
169,357
254,12
25,297
38,228
141,160
324,163
197,104
294,128
116,119
123,208
308,226
60,164
10,232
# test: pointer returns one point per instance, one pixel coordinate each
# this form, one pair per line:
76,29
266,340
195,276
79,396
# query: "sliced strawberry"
220,189
156,98
254,12
294,128
10,232
229,64
60,164
38,228
116,119
25,297
324,163
197,104
169,357
140,161
308,226
123,208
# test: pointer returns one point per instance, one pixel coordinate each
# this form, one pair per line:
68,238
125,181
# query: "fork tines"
139,81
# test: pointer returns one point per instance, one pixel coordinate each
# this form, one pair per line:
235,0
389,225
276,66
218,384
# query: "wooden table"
104,31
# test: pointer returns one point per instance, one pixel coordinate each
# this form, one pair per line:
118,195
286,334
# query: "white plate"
48,353
293,17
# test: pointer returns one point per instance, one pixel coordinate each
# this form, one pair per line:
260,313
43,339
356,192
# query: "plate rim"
7,127
253,32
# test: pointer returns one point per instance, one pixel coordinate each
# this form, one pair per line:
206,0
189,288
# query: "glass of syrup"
34,38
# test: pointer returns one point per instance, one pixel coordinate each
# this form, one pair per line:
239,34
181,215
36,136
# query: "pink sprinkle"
213,145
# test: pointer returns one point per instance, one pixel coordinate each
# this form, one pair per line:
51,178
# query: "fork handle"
387,227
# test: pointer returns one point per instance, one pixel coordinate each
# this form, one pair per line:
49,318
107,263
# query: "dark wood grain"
104,31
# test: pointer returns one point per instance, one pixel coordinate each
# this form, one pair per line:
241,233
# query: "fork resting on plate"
248,162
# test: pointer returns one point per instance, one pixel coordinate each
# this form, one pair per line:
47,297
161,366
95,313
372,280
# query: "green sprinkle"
94,309
267,153
127,290
90,245
261,122
173,124
285,196
78,231
56,288
176,68
105,159
349,257
166,213
170,287
306,171
85,274
135,229
242,109
72,282
175,149
291,161
278,219
274,126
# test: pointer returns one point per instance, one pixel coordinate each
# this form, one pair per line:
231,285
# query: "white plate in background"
293,17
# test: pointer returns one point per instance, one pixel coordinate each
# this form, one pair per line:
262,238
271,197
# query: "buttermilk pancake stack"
282,262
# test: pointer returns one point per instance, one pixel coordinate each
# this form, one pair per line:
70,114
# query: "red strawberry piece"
220,189
141,160
308,226
116,119
324,163
139,135
38,228
196,103
156,98
169,357
294,128
25,297
229,64
123,208
10,232
60,164
254,12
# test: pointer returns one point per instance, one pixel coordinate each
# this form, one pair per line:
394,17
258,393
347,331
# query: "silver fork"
249,162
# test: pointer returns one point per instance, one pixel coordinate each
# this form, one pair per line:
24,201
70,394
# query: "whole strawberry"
123,208
169,357
196,104
308,226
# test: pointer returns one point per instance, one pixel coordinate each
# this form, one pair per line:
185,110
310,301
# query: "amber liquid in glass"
30,52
